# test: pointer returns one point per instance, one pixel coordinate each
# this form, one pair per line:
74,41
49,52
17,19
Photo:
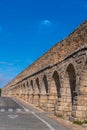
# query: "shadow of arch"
24,90
38,86
57,83
32,87
27,84
44,94
38,92
45,84
27,91
31,100
72,81
69,90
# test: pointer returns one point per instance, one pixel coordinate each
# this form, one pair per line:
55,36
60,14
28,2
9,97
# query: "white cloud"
5,63
46,22
45,26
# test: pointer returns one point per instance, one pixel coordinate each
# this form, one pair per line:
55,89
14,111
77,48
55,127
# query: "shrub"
78,122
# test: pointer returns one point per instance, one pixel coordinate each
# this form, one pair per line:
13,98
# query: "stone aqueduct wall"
57,81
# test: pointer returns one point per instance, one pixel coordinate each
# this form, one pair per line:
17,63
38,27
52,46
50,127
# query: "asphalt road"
14,115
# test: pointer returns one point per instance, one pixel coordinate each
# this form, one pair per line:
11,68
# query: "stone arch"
45,89
24,88
27,84
21,89
32,86
27,91
57,84
38,85
72,81
38,92
32,91
69,89
44,97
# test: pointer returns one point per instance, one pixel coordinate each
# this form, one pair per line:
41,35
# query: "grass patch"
80,122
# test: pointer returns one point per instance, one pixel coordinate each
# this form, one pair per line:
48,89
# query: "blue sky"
28,28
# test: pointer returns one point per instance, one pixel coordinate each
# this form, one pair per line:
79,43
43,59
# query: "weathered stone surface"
57,81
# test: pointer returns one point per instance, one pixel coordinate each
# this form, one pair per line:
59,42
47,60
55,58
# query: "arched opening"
32,87
57,83
38,85
31,82
24,91
69,90
72,81
44,94
21,91
27,92
23,87
38,92
31,92
45,84
27,85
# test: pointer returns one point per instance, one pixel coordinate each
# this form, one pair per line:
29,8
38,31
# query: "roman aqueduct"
57,81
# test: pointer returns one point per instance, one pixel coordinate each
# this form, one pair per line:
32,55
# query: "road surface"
16,116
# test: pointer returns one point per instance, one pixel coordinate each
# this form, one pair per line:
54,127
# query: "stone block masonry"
57,81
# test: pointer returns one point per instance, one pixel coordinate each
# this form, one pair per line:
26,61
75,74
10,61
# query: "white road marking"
12,116
46,123
2,110
18,110
10,110
26,110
